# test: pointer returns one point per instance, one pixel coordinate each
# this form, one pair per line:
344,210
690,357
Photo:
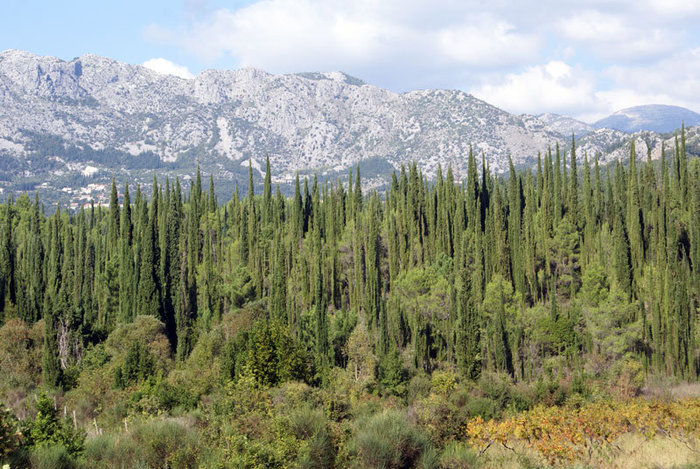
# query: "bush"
310,426
95,356
146,332
628,377
103,452
482,407
156,395
458,455
52,457
388,440
9,434
443,382
418,387
306,422
549,393
153,444
167,443
496,386
595,285
20,355
520,398
392,374
48,430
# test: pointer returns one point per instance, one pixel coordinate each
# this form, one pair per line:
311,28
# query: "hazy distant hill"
655,117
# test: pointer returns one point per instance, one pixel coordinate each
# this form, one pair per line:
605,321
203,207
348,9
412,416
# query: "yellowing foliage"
565,435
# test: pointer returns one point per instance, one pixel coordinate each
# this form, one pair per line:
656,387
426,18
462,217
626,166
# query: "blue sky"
581,58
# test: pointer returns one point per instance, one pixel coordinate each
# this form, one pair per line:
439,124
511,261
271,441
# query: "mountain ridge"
84,120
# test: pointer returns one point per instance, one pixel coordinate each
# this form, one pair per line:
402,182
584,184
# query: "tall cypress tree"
149,300
114,215
468,325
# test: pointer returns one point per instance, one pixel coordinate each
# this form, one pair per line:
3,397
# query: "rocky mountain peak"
58,118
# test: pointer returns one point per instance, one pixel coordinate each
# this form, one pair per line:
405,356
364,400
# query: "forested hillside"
279,329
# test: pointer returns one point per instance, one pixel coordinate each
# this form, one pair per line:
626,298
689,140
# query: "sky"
585,59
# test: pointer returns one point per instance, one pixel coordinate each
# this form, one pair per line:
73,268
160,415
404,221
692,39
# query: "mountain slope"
67,127
303,121
565,125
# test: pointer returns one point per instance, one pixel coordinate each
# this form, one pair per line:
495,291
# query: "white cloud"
284,34
553,87
363,36
584,58
675,8
672,80
617,37
487,43
560,88
167,67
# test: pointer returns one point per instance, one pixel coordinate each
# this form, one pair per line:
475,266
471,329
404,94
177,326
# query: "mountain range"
68,127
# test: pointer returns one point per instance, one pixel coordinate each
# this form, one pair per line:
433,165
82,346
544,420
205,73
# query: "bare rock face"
97,113
303,121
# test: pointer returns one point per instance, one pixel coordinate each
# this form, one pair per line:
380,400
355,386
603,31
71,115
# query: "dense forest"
309,331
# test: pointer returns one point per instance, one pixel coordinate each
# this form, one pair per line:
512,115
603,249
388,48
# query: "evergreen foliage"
488,274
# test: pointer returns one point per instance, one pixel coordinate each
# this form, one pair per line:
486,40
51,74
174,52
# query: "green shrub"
388,440
579,385
482,407
418,387
443,382
95,356
392,374
107,452
306,422
595,285
9,434
549,392
627,377
521,398
496,386
167,443
48,430
54,456
317,453
165,396
457,455
311,427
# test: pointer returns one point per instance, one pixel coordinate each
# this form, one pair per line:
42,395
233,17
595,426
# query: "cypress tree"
633,220
278,289
114,215
572,201
373,277
7,261
126,262
267,193
149,300
357,203
468,330
322,348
